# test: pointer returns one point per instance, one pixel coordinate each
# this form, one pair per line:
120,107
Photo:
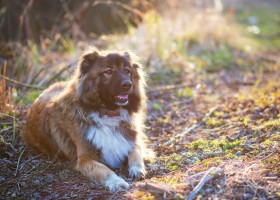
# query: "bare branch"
124,6
210,174
19,83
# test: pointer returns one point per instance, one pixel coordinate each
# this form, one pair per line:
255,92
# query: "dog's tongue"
122,96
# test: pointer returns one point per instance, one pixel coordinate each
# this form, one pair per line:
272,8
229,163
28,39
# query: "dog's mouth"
121,100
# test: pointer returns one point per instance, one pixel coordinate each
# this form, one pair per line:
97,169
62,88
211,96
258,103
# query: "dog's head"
110,80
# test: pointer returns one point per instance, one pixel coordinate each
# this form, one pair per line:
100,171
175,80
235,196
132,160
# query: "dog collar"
86,119
109,113
123,124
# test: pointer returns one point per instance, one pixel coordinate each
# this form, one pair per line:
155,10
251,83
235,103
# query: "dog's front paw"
136,171
116,183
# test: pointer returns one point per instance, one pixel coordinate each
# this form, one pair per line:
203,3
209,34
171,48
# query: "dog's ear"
88,60
136,66
127,55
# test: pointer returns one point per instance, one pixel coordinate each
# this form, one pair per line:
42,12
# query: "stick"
19,83
7,143
210,174
169,87
19,161
123,6
58,74
37,173
4,114
25,162
193,127
23,15
155,188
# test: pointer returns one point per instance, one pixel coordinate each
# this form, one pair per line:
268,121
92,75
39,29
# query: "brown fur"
55,127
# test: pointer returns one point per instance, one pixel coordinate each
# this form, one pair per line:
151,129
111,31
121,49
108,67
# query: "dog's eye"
109,71
127,71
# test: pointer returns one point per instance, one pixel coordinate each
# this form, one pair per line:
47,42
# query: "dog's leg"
99,173
136,166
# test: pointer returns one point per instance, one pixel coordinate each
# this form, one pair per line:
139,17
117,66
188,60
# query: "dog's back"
35,132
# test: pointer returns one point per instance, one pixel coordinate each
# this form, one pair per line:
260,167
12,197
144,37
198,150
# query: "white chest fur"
108,139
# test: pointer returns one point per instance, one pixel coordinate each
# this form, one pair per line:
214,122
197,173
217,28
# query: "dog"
96,118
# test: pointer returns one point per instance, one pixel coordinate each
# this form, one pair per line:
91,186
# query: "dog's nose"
126,84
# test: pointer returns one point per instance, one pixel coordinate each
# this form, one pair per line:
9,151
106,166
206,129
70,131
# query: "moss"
143,195
271,123
173,162
229,155
209,148
275,137
273,160
171,180
157,106
267,143
245,120
210,162
185,92
254,152
214,122
278,194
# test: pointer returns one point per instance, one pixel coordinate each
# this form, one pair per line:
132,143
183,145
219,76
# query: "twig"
35,174
67,9
41,171
193,127
154,188
19,161
177,103
267,156
59,73
210,174
24,14
124,6
7,143
115,193
6,129
3,114
169,87
19,83
14,130
27,161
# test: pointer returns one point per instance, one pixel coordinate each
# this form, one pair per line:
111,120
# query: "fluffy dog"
96,118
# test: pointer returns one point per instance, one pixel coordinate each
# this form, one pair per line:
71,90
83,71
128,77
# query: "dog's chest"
108,138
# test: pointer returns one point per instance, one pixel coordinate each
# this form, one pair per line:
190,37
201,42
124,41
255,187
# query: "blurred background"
39,38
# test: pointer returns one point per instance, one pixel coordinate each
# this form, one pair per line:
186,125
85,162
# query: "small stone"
247,196
238,153
36,194
66,196
73,195
49,178
36,182
14,194
152,167
2,179
22,184
209,190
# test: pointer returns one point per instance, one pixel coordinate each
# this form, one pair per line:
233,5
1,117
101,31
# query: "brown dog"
96,118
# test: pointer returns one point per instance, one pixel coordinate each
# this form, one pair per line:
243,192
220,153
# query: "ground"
214,108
